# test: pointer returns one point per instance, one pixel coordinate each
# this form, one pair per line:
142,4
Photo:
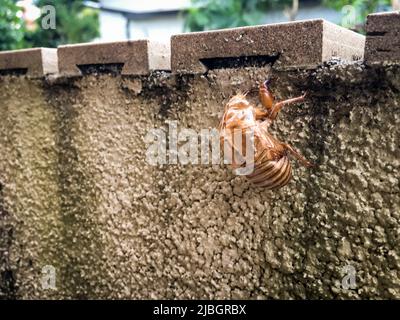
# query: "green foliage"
354,17
74,23
221,14
11,26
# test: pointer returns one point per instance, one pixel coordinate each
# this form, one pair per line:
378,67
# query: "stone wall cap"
34,62
383,38
138,57
298,44
385,13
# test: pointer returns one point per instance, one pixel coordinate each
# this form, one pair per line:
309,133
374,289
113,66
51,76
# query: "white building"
138,19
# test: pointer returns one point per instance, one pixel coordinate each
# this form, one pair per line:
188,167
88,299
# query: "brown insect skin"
272,168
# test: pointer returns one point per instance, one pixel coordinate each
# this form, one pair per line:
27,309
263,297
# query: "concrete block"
383,38
36,62
301,44
138,57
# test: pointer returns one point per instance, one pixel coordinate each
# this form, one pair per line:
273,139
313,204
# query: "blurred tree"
11,26
221,14
355,11
74,23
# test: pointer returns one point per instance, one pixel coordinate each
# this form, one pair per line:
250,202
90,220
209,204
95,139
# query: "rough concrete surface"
77,192
29,188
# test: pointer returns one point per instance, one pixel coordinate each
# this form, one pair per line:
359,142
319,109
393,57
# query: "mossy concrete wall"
77,192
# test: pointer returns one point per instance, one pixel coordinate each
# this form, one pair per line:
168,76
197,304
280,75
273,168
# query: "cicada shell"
269,165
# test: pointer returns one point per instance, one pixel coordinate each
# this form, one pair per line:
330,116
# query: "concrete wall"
29,186
78,194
